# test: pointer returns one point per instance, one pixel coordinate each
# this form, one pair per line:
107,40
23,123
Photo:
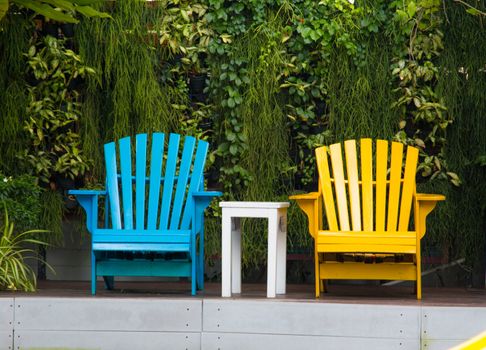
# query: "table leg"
235,255
272,254
282,251
226,255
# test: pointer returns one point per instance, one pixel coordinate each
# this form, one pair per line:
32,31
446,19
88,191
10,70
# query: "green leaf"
233,149
91,12
411,9
86,2
62,4
46,10
3,8
473,11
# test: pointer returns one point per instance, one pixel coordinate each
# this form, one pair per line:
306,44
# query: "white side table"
276,213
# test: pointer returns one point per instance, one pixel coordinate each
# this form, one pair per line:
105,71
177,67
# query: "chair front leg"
200,260
93,273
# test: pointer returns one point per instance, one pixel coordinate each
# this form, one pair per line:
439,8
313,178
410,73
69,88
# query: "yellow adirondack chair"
372,236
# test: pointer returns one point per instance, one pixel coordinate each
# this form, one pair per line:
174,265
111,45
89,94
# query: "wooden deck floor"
349,294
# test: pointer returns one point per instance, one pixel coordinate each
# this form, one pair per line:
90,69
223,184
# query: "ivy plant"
53,111
424,116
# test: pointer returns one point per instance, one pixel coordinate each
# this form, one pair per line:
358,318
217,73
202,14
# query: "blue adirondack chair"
153,227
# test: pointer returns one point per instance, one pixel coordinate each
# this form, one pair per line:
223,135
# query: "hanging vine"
424,115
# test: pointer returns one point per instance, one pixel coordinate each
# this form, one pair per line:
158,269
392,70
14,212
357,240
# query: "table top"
255,205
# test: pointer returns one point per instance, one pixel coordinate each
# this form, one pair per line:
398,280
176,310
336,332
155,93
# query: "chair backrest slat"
126,182
159,195
181,190
377,201
339,186
196,181
112,184
169,174
367,183
353,185
156,155
394,187
325,182
381,169
408,188
140,173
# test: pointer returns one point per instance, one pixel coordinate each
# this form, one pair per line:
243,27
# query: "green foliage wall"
281,78
14,42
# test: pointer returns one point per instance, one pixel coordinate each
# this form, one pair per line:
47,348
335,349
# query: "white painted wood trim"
255,205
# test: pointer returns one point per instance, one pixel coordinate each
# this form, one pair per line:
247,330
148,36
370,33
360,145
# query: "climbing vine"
424,115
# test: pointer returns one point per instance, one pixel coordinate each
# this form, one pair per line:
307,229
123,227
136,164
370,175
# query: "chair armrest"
203,198
430,197
87,192
88,199
201,202
207,194
425,203
310,195
311,205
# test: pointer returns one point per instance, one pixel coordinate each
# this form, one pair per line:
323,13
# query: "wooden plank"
107,340
340,188
366,248
181,189
145,236
195,183
238,341
126,182
394,187
361,271
381,168
325,181
108,314
112,185
156,155
158,267
408,187
357,239
170,168
367,183
310,318
141,167
352,172
142,247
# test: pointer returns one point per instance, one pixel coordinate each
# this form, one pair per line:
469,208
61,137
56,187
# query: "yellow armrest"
430,197
311,205
311,195
425,204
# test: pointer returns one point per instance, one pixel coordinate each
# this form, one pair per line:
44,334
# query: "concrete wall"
192,323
